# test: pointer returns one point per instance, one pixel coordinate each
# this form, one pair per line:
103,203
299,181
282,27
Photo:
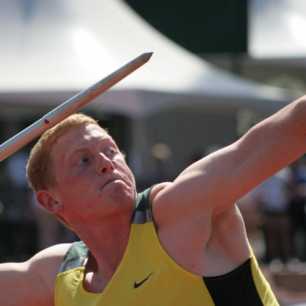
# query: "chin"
120,192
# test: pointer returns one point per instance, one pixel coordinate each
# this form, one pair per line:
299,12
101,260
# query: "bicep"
18,286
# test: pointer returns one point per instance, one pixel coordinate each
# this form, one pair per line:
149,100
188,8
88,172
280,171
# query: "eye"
84,160
112,151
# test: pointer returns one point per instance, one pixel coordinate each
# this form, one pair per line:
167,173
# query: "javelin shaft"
69,107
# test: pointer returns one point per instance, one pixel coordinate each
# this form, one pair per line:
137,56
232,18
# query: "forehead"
78,137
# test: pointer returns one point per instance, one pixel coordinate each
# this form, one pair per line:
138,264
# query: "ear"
49,202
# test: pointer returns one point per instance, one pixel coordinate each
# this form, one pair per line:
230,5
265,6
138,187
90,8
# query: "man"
188,248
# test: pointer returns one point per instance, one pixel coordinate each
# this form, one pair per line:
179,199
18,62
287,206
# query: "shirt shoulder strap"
142,212
75,256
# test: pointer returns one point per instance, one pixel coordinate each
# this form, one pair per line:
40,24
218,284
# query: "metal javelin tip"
146,56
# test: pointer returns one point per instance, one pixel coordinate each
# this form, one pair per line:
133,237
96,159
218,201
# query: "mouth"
110,181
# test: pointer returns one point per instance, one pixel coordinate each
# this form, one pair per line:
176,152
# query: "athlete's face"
91,174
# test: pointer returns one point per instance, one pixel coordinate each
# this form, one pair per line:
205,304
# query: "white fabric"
68,45
277,28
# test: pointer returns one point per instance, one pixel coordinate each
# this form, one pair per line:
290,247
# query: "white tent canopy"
277,29
52,48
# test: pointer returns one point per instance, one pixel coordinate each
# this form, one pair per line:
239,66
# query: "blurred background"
218,68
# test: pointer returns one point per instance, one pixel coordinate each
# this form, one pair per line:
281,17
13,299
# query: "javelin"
69,107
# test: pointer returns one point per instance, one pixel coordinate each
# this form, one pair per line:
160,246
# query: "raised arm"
31,283
214,183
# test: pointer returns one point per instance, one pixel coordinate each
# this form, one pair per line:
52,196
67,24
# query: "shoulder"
51,254
45,264
33,280
157,200
156,189
163,211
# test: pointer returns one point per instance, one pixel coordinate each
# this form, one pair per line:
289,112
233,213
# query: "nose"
104,164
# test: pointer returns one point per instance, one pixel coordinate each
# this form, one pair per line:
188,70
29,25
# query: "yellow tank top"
148,276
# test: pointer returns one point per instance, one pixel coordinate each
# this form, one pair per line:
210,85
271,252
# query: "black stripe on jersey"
234,288
142,212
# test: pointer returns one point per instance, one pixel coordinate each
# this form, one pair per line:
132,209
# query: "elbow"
300,105
297,115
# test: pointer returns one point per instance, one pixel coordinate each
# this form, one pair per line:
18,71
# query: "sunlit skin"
91,172
94,191
197,222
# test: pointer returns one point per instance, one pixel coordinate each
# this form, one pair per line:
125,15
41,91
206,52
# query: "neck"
107,241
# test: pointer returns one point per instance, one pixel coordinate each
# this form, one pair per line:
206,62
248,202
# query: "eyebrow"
84,147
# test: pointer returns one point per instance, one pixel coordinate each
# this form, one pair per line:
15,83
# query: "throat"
97,277
102,263
95,282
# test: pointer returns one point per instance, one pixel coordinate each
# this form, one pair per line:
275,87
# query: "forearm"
292,117
273,143
297,111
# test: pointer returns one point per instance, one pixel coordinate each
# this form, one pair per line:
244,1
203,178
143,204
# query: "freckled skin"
92,177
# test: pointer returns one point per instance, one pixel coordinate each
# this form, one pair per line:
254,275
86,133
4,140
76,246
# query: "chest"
147,275
153,281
